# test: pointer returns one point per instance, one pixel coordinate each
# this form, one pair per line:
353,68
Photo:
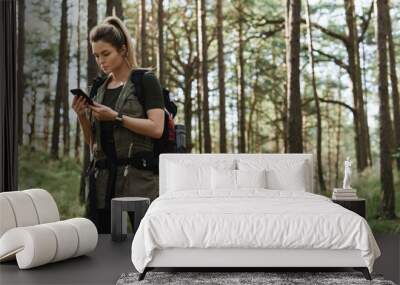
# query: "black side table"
356,205
119,208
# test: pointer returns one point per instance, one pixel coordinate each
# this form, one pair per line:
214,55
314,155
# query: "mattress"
251,219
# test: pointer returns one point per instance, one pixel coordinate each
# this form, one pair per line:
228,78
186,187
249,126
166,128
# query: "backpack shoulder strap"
137,80
96,84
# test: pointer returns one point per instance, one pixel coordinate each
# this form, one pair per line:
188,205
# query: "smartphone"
80,92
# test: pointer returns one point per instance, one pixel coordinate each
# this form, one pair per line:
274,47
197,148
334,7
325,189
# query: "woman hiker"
118,127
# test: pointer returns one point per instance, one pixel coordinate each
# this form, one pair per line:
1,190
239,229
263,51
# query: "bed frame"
242,259
246,258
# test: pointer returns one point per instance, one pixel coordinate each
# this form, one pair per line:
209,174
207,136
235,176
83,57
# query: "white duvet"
252,218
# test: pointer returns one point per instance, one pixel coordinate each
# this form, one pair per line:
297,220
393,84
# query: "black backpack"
173,137
167,142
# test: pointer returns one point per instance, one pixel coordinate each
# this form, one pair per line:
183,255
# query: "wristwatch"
118,119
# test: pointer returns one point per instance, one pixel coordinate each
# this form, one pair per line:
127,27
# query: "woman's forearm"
86,128
144,127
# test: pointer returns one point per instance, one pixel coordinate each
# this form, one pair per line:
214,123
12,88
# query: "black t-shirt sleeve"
153,97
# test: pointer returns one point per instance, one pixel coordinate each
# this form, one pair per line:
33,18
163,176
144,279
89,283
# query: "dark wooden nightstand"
356,205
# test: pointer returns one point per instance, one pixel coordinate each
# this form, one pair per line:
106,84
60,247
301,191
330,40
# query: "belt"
141,160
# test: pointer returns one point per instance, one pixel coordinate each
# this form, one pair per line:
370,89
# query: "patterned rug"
242,278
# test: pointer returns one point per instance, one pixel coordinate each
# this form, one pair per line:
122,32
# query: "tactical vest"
130,181
129,105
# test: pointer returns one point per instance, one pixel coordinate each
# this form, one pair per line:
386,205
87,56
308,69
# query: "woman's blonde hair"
114,32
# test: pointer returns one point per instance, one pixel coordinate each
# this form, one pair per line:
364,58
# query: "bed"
247,210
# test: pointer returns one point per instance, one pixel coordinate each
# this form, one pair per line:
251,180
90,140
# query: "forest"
248,76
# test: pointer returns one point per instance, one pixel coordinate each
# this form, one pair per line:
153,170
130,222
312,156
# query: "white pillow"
251,178
223,179
282,174
293,178
188,177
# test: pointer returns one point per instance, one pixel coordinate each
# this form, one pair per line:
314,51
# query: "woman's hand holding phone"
79,105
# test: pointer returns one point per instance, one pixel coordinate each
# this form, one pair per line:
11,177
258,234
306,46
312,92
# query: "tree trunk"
160,58
65,99
143,37
237,105
138,36
119,9
91,62
115,5
295,139
254,101
47,111
221,77
305,121
338,132
61,81
395,88
365,93
322,186
188,112
385,123
241,81
32,119
360,120
277,131
198,84
20,68
199,113
91,74
204,73
285,97
329,147
78,79
153,32
109,7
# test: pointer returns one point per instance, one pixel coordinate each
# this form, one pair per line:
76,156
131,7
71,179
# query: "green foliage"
61,178
369,187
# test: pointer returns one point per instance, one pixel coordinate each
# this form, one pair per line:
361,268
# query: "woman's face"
107,56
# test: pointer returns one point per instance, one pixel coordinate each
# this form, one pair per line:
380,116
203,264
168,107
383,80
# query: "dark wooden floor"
110,260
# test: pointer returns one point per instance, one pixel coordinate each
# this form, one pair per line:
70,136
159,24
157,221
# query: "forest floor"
62,179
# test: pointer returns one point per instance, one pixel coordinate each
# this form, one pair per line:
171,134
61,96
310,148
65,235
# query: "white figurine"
347,174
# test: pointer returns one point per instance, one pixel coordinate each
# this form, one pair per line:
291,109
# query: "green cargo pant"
137,183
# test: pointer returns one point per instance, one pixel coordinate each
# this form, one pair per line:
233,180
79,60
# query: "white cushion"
251,178
23,208
290,174
66,237
223,179
188,177
292,179
40,244
26,208
7,218
32,246
184,173
46,207
87,235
